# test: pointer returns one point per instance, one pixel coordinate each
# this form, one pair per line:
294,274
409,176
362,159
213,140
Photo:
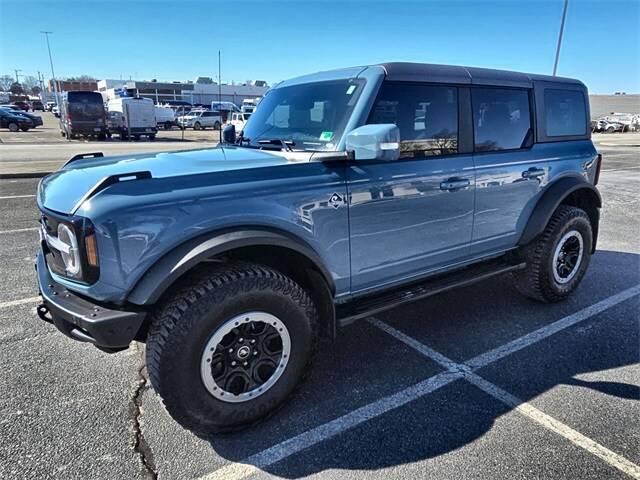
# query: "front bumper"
107,328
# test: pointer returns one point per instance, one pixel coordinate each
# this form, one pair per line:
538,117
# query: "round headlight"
71,259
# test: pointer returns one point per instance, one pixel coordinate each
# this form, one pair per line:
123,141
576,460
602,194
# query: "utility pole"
17,75
564,16
220,95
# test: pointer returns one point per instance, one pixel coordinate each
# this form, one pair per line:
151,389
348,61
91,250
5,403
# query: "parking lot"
475,383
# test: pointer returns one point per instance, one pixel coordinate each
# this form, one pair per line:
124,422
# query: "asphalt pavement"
475,383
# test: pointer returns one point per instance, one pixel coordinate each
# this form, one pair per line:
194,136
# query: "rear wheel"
197,126
216,126
230,346
168,125
558,259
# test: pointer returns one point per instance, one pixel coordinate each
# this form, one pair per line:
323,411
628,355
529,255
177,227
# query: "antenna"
564,15
220,94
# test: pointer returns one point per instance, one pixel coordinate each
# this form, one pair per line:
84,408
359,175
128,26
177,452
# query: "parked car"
49,106
14,121
56,110
335,204
132,116
165,117
199,120
35,119
23,105
83,114
37,105
238,120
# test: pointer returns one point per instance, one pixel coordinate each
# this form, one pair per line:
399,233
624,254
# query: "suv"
199,120
348,193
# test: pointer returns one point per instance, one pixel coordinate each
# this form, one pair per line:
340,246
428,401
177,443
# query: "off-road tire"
186,320
537,280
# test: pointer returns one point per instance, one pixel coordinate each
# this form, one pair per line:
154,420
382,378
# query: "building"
602,105
71,85
204,90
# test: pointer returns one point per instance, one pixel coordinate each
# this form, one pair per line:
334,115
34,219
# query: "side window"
565,113
501,119
427,117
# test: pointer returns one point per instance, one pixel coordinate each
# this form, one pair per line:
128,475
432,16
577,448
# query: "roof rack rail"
108,181
80,156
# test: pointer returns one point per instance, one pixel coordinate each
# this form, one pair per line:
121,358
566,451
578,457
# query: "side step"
370,305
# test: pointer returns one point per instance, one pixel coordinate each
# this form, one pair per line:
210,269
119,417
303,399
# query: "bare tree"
29,81
16,88
5,82
81,78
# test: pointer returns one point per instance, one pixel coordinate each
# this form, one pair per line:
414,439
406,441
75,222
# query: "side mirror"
375,142
229,134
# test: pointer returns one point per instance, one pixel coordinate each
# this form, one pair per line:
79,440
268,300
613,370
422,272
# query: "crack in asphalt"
140,445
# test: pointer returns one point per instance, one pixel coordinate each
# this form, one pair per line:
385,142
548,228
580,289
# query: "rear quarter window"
565,113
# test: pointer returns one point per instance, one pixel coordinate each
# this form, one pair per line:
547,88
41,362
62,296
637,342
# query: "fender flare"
553,196
173,264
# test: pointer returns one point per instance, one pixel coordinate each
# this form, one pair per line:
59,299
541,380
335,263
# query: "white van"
165,117
132,116
238,120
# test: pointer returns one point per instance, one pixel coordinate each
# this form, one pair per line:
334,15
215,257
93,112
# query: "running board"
371,305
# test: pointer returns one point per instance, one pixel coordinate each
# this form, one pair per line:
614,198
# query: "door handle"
454,183
533,173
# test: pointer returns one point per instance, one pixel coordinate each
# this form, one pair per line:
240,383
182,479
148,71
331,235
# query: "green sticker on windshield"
326,136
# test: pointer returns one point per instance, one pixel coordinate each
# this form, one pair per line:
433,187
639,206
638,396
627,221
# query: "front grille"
52,256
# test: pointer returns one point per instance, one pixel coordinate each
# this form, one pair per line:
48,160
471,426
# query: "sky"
275,40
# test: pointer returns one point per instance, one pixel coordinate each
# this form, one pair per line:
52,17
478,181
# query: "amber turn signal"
91,249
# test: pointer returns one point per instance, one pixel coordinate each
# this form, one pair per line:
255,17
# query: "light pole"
17,75
564,15
53,74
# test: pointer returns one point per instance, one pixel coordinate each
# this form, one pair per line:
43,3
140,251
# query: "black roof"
428,72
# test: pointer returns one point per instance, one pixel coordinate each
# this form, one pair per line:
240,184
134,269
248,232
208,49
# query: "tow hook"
43,313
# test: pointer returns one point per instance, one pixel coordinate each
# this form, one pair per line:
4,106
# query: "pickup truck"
347,193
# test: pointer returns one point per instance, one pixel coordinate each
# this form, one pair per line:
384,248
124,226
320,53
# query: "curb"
618,144
4,176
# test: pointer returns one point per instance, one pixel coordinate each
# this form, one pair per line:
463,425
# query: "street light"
564,15
53,74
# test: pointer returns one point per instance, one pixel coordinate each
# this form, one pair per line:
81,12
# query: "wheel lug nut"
231,350
245,364
233,364
241,340
255,353
253,341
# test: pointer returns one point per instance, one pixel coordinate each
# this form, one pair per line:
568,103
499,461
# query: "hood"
62,191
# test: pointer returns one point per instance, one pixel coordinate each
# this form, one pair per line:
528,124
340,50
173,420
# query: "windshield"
312,115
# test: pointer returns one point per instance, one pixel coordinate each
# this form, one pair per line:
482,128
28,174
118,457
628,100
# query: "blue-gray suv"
347,193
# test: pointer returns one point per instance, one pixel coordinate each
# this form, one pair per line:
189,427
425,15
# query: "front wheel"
230,346
558,259
13,127
197,126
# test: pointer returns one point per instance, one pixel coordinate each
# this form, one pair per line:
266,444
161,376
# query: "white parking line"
327,430
22,301
18,230
455,371
16,196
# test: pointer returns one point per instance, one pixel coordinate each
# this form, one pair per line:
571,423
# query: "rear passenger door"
509,171
413,215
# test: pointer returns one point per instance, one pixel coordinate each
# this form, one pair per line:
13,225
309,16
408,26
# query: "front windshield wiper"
286,144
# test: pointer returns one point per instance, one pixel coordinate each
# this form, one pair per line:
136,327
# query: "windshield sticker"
326,136
351,89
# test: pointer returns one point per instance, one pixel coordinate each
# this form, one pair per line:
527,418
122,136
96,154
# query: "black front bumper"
107,328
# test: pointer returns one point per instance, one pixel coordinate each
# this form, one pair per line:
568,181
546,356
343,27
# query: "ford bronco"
347,193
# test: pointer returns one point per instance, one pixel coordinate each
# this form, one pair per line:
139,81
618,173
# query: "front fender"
187,255
553,196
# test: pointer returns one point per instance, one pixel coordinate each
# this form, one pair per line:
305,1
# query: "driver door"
414,215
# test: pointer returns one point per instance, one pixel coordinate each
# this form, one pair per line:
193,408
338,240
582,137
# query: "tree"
81,78
5,82
29,81
16,89
36,90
